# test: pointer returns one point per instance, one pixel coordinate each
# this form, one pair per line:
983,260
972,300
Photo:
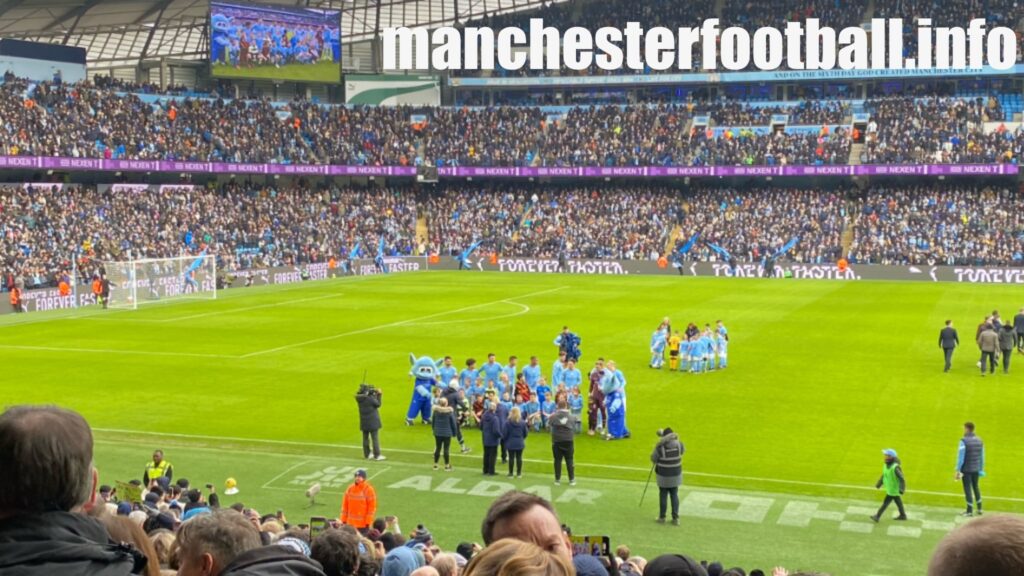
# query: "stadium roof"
123,32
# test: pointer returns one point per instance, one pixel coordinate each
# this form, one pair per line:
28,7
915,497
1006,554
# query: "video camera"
368,390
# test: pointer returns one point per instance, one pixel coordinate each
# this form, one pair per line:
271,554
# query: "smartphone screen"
317,524
591,545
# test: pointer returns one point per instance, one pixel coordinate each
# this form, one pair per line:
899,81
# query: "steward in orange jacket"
359,506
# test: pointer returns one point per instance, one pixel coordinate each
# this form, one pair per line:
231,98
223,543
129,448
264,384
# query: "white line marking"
391,325
524,309
578,463
113,351
247,308
279,476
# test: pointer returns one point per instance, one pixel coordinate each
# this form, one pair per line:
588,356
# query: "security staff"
948,341
359,506
157,468
668,466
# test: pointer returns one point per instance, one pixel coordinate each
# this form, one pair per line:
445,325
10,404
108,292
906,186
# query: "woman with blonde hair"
508,557
121,529
514,438
163,543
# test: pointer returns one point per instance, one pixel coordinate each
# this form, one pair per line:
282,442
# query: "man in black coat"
369,400
563,435
47,483
948,341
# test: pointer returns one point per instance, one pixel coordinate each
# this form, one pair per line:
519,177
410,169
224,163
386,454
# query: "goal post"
134,283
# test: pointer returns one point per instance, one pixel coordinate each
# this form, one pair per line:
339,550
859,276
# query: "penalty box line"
534,461
392,324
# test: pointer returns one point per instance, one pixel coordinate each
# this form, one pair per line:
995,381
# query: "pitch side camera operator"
369,400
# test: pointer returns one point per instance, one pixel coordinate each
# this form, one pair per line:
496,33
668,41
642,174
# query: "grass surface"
329,72
783,447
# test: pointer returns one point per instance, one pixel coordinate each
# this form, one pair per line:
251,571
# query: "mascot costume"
613,384
424,370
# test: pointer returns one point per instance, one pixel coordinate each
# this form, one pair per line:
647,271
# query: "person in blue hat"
894,483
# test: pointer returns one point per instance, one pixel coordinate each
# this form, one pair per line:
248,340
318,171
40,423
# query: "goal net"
138,282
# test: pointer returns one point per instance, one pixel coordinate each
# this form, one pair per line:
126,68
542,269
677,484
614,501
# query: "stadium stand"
247,227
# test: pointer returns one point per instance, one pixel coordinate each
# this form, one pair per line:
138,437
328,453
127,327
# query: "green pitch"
783,447
329,72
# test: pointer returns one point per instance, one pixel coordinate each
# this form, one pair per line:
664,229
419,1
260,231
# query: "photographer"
667,459
369,398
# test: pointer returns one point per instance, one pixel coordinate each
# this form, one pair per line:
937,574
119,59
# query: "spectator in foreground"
529,518
512,557
674,565
47,482
990,545
337,551
121,529
224,543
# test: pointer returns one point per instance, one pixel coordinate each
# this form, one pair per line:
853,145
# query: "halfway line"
392,324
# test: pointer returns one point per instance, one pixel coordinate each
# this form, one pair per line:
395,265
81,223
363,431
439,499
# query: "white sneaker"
572,482
558,482
379,458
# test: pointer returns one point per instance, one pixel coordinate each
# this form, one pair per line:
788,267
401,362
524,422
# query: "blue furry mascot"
425,371
613,384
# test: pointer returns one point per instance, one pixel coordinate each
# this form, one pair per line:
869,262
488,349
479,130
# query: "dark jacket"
563,426
272,561
502,413
515,434
1018,323
948,338
443,422
451,395
52,543
369,412
1007,338
490,428
974,454
668,461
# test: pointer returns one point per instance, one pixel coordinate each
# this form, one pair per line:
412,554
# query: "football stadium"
710,318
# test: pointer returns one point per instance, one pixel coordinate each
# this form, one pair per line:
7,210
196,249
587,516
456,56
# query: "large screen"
275,42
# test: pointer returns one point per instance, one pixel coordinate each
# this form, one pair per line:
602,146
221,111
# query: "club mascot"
613,384
424,370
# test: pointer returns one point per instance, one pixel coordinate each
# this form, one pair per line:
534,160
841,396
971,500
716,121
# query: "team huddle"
694,350
524,390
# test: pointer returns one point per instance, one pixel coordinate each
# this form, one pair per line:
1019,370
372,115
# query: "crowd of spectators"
86,121
43,228
572,222
945,224
776,13
83,121
751,224
939,130
614,13
54,519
